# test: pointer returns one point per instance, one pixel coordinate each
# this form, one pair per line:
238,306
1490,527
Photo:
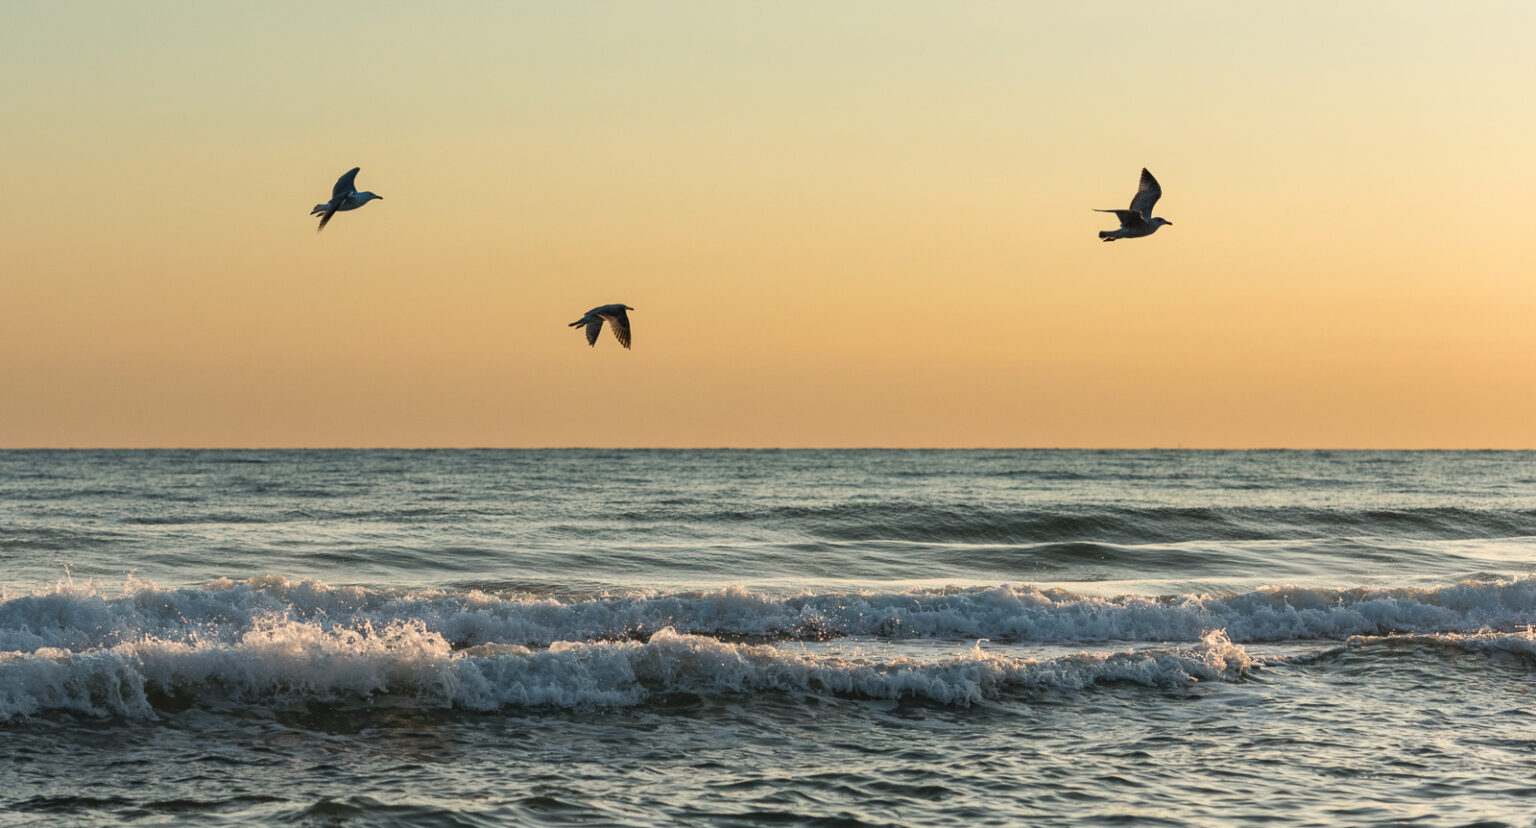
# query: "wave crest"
82,618
283,662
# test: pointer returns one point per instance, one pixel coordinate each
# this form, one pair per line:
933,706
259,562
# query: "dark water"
743,637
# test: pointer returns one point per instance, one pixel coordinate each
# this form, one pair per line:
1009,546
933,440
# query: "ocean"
723,637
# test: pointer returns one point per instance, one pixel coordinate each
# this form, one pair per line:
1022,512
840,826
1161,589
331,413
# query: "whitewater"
754,637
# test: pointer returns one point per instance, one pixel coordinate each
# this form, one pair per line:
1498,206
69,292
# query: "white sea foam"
78,618
281,662
272,641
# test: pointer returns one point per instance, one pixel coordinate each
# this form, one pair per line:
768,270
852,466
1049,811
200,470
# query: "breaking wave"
271,640
80,618
283,662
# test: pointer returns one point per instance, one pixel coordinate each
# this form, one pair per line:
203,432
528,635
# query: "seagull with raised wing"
344,197
616,317
1138,221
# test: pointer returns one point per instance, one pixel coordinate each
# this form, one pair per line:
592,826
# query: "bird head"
1161,221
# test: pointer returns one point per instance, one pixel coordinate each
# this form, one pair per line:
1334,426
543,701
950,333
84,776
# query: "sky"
841,224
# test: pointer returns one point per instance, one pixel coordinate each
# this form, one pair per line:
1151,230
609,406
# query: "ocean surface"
840,638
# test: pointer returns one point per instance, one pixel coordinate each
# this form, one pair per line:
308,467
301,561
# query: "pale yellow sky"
840,224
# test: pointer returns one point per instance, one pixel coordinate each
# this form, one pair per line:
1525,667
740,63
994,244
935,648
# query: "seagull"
1138,221
618,320
344,197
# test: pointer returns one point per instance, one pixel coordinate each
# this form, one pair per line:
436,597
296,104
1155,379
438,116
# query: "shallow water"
742,637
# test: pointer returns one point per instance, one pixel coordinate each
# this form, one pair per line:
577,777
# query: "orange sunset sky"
840,224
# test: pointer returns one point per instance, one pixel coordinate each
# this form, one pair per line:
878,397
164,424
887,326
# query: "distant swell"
957,523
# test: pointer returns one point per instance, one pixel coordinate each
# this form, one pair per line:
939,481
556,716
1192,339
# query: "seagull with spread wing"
344,197
616,317
1138,221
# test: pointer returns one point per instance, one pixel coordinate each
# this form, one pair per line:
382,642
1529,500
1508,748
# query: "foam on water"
285,662
79,618
274,640
1209,638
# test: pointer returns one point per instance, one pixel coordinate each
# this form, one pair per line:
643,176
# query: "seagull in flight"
344,197
618,320
1138,221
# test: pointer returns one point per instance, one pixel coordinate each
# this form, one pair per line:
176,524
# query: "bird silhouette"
1138,221
344,197
616,318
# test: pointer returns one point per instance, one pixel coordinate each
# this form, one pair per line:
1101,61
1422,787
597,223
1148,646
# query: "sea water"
596,637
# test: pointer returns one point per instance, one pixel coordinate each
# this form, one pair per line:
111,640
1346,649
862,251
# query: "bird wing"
330,210
619,322
1128,218
1147,194
346,184
594,327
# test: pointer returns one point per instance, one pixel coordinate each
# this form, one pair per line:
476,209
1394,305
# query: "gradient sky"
841,224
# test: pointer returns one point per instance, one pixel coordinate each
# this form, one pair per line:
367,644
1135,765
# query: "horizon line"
764,448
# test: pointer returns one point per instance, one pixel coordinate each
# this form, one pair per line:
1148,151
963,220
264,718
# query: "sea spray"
79,618
281,663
